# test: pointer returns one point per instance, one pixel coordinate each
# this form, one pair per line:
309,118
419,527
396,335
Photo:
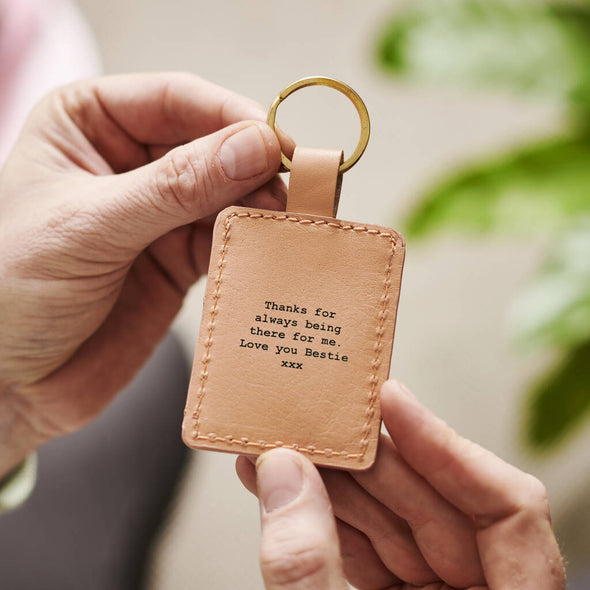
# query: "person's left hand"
106,211
435,512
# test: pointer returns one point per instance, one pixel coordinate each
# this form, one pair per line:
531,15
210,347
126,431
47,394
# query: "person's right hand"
435,512
107,206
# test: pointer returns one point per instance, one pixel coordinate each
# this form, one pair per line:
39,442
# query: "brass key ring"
356,100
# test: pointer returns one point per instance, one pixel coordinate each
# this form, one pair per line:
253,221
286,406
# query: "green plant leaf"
537,189
554,310
524,46
561,402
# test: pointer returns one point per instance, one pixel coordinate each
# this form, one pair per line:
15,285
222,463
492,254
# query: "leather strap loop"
314,185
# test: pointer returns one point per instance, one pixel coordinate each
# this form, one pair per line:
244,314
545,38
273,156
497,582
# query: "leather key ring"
298,320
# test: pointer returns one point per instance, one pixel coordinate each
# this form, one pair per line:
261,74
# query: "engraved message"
291,334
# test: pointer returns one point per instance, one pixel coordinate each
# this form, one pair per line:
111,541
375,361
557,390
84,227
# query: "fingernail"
243,154
280,479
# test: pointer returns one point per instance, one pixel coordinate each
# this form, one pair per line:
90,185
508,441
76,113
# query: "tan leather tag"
296,336
314,182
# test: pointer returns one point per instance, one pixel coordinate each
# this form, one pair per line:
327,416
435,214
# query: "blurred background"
479,154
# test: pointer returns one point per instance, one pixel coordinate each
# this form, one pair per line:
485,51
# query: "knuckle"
286,563
58,103
78,100
536,495
184,180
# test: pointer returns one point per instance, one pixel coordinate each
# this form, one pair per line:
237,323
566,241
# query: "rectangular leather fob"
296,336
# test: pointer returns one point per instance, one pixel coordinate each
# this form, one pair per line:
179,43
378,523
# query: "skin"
106,211
435,512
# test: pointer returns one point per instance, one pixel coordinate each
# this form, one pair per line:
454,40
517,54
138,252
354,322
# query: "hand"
435,512
106,211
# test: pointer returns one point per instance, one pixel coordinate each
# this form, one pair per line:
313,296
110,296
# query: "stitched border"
375,363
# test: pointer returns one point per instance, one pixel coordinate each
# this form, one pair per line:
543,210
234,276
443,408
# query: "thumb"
299,546
193,181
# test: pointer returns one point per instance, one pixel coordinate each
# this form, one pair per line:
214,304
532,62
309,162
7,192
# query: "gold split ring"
356,100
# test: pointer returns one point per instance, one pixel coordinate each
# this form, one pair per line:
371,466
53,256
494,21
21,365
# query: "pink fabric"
19,25
44,44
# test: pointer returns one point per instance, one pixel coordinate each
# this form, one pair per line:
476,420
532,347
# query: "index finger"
169,107
133,119
470,477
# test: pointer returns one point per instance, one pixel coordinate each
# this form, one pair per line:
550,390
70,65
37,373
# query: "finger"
189,183
131,120
176,258
158,108
362,566
390,536
287,146
272,195
274,188
299,545
445,536
470,477
262,199
246,470
515,537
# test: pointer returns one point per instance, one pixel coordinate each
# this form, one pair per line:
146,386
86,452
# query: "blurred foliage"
538,49
535,189
561,401
524,45
554,310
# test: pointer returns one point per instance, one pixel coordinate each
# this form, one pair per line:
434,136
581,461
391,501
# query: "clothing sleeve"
17,486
